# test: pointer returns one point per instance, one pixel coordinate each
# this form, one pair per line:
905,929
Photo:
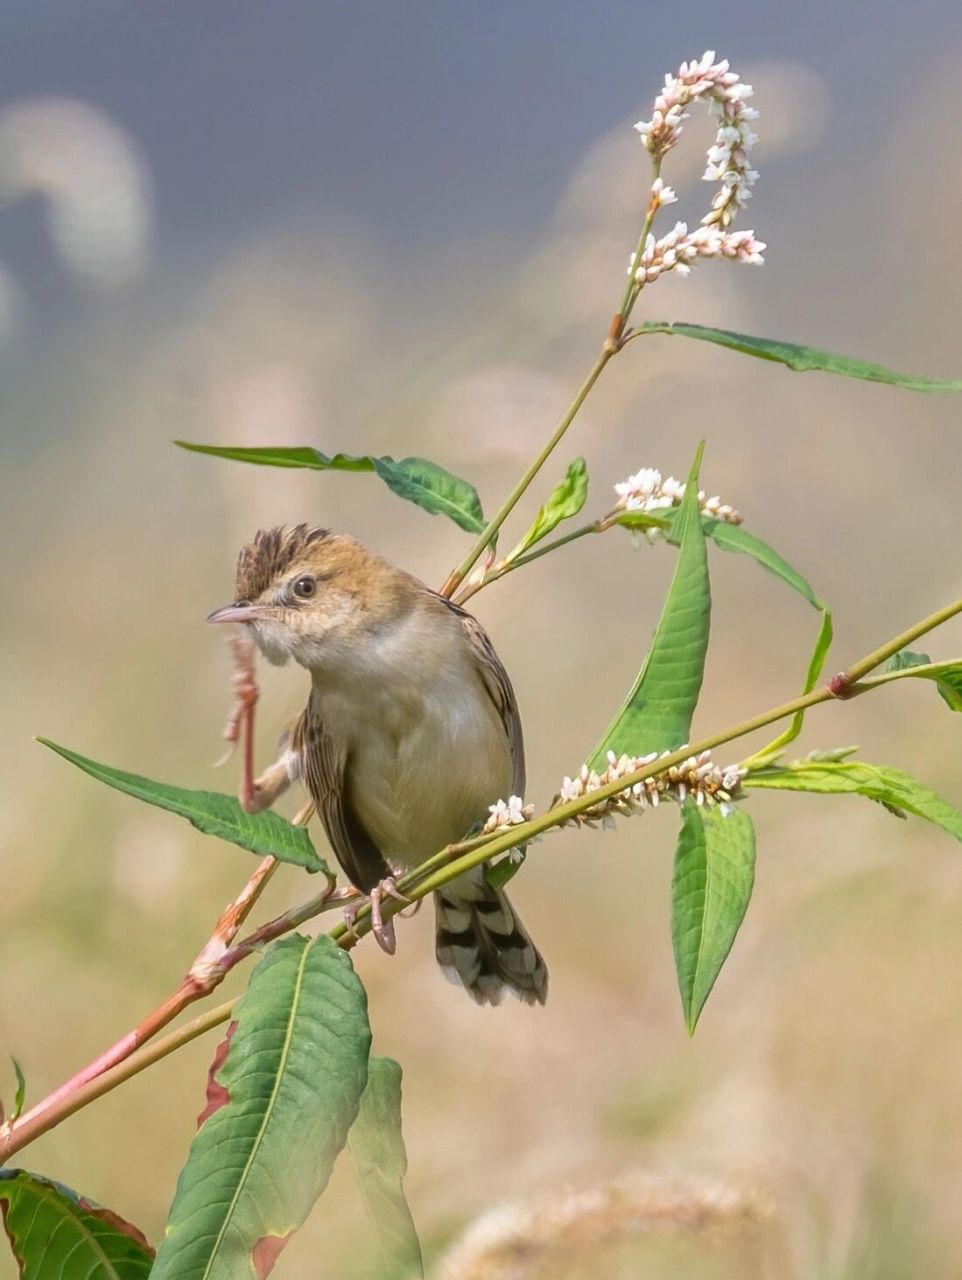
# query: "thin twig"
204,974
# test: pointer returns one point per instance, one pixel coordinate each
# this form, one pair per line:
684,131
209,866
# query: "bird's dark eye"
305,587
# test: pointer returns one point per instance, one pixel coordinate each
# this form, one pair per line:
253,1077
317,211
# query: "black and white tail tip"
483,946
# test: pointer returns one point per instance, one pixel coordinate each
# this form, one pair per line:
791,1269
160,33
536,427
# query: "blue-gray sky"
409,118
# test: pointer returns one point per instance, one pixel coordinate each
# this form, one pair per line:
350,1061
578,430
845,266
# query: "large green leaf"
416,479
895,790
57,1235
800,358
565,501
377,1145
711,887
657,713
289,1090
211,812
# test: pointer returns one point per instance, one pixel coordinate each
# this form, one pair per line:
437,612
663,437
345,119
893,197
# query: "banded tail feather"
482,944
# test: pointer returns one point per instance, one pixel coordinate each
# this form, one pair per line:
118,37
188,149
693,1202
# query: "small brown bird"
410,732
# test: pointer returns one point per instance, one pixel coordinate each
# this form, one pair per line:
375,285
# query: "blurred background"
402,229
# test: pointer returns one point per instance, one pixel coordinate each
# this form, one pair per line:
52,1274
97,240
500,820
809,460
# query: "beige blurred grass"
824,1074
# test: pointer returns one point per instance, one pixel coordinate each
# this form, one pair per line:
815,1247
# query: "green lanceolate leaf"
57,1235
20,1096
946,675
415,479
287,1092
890,787
823,642
658,711
732,537
564,502
711,887
377,1145
801,358
211,812
433,489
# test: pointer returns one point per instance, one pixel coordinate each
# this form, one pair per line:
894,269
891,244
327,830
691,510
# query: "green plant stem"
927,671
632,287
507,566
494,524
601,525
610,347
437,871
886,651
16,1136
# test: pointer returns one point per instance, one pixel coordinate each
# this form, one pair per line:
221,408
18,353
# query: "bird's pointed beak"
239,612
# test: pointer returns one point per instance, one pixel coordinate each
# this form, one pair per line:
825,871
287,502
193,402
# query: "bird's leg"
258,793
245,689
382,929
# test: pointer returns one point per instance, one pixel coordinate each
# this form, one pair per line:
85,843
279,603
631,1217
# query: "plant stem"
927,671
632,287
506,566
40,1121
203,975
435,873
127,1057
494,524
612,345
886,651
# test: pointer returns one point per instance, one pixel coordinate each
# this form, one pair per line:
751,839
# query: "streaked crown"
270,554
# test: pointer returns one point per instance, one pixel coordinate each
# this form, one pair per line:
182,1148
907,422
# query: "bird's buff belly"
415,800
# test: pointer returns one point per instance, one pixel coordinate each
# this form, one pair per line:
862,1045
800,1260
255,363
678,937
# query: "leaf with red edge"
281,1101
217,1095
266,1252
56,1234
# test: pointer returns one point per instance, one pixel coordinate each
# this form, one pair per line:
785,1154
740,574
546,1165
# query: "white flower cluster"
646,491
507,813
677,250
728,164
727,97
698,777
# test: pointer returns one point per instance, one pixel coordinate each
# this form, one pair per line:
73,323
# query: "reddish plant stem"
128,1056
203,976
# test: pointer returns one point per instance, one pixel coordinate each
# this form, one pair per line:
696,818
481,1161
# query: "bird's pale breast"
428,752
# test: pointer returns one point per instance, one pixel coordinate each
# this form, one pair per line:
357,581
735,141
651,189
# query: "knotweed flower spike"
507,813
677,250
727,163
698,777
646,491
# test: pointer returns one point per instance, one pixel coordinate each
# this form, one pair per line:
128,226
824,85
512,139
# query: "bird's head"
304,592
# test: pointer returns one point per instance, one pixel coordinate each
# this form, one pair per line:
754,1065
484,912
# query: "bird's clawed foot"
382,929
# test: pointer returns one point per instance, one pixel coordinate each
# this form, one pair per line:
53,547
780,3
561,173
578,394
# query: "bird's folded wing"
324,767
496,684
